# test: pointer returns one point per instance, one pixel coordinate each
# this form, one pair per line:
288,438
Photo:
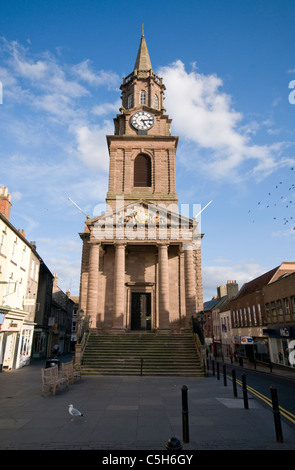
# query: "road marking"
287,414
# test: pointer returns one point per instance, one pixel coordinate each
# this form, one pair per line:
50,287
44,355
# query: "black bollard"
233,373
213,367
217,366
245,395
173,444
185,430
224,376
276,414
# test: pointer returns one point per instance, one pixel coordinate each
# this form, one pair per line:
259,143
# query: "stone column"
190,281
92,293
181,285
163,286
119,286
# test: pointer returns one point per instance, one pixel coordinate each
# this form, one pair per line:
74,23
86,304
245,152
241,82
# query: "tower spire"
143,61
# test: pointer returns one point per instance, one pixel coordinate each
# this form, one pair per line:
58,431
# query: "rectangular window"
279,307
287,305
254,315
250,316
273,309
259,314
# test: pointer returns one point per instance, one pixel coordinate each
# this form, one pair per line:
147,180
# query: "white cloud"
86,74
205,117
214,276
106,108
91,145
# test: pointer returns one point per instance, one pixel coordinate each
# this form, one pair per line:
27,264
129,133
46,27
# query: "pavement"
134,413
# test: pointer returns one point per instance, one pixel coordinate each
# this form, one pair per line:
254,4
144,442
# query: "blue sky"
227,66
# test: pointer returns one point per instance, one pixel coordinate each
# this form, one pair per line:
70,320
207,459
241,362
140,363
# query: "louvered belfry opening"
142,171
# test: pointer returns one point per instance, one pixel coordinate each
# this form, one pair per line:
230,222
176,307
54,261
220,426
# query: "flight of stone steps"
146,354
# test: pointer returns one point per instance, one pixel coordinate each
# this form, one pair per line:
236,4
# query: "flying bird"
74,412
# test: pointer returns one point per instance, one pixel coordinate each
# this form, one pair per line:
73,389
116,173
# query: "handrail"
80,347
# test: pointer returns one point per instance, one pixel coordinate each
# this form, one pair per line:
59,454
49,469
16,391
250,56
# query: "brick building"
279,298
141,260
249,315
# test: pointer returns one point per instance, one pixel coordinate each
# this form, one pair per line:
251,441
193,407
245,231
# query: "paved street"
131,413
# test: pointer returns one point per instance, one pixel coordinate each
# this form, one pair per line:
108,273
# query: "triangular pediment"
144,220
143,211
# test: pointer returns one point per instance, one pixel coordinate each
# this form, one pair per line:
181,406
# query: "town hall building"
141,259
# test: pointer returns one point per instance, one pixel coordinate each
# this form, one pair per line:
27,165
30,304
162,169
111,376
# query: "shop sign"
246,340
281,332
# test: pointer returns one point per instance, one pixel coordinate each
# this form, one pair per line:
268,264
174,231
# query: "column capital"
163,244
120,243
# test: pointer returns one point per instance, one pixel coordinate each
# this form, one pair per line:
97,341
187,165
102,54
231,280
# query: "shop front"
280,338
253,348
15,339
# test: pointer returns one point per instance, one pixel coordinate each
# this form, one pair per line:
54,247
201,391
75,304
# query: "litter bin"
52,362
241,361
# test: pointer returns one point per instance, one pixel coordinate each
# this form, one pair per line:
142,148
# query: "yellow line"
287,414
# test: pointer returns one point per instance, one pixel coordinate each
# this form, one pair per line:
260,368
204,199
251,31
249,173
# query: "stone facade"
141,260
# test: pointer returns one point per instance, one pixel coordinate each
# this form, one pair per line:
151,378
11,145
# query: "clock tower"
142,150
141,260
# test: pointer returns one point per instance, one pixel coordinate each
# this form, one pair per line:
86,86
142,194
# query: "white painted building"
19,275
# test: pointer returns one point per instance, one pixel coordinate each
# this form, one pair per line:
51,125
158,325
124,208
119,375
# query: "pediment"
144,220
143,212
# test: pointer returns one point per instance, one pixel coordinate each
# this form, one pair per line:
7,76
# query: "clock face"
142,120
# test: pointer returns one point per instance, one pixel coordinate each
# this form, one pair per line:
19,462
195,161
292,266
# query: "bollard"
185,430
217,366
245,395
276,414
233,373
224,376
213,368
173,444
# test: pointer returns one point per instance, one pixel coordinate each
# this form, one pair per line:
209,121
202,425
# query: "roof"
143,61
257,283
210,304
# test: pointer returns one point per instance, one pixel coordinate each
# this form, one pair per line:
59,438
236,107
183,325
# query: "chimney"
5,204
221,291
232,288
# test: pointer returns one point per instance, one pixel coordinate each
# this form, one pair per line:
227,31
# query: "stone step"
141,354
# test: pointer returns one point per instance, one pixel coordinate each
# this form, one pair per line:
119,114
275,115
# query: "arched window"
130,101
142,99
142,171
156,101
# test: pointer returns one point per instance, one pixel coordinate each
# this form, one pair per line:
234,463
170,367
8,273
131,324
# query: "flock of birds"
284,204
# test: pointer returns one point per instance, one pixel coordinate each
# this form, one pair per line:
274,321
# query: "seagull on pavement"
74,412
